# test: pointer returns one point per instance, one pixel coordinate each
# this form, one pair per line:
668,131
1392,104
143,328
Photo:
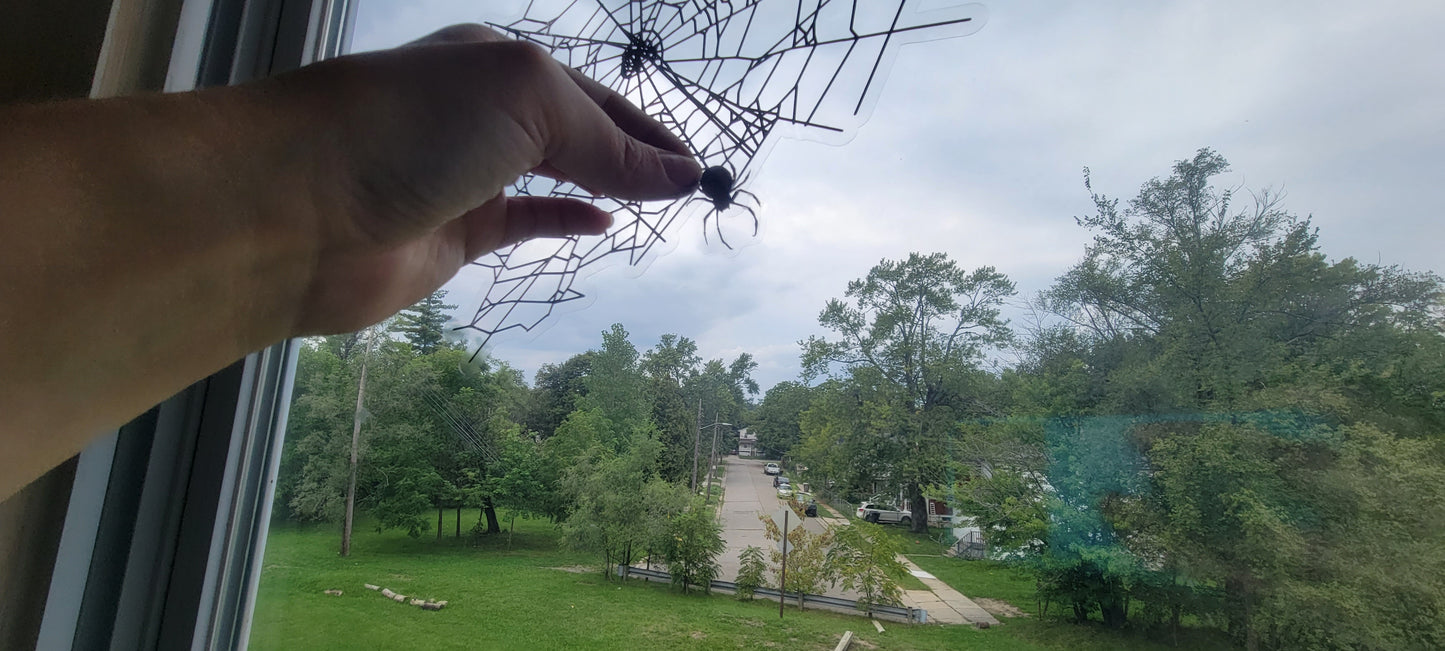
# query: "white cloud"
976,148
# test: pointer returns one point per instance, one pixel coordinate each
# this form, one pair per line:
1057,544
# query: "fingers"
505,221
628,117
593,151
603,142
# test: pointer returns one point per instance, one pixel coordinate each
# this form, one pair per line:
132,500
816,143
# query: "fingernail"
681,170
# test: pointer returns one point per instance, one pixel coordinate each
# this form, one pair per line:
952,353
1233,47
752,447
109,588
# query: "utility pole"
355,446
696,441
712,458
711,462
783,581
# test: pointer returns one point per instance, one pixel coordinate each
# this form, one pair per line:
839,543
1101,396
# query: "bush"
750,572
691,549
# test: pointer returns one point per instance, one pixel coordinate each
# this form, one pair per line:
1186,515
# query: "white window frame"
166,528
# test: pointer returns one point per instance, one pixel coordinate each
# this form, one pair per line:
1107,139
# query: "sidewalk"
944,604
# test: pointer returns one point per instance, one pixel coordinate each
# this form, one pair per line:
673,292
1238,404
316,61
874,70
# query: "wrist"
279,184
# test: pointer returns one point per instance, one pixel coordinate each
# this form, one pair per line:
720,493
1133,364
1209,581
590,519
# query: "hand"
417,145
150,240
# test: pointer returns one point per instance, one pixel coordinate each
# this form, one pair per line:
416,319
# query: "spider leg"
754,215
754,196
704,216
717,223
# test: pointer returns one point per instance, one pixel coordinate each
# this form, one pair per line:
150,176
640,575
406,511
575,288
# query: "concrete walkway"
944,604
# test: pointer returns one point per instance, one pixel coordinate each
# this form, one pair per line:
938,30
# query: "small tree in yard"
864,558
807,552
615,498
692,546
750,572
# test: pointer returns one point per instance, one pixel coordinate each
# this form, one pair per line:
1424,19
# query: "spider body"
717,187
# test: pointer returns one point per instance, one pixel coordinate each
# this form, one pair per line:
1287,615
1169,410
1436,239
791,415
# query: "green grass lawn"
984,579
509,595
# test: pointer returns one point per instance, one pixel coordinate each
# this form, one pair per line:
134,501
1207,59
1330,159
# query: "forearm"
148,242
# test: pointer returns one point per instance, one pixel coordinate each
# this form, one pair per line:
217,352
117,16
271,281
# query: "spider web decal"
727,77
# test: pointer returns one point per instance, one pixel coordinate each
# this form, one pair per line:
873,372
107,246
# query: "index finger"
632,120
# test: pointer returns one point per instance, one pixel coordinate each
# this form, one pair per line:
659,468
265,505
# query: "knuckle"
525,56
637,158
463,33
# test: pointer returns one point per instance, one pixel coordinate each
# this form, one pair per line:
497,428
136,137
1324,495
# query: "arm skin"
147,242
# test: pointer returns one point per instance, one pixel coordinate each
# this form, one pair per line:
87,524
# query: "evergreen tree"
424,323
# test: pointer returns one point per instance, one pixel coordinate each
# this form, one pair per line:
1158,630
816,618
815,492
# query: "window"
1052,291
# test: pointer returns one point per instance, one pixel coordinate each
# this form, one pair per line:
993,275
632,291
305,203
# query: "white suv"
772,469
878,513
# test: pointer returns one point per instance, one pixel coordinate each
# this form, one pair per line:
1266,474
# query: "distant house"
747,443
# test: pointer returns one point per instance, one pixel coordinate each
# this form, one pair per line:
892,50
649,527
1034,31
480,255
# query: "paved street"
747,494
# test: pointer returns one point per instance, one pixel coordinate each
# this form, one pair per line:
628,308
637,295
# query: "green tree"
921,325
424,323
617,388
864,558
619,505
691,544
311,483
1249,367
807,567
557,390
750,572
670,366
778,416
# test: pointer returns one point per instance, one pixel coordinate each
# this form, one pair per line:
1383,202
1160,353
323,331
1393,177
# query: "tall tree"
919,324
556,392
424,323
617,388
670,367
1248,368
777,419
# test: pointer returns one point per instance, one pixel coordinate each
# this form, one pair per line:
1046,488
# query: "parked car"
810,508
881,513
772,469
780,480
785,490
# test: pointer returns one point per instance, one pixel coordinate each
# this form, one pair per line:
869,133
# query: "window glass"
1137,302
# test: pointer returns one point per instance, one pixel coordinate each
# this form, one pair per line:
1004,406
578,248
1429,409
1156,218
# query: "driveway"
748,493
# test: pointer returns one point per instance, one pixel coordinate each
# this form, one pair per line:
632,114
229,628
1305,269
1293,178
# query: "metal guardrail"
836,604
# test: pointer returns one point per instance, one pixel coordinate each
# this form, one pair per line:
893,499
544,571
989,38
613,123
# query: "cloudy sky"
976,145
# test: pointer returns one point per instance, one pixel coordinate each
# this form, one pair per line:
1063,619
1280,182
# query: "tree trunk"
491,511
459,521
1237,607
1114,612
919,508
439,522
